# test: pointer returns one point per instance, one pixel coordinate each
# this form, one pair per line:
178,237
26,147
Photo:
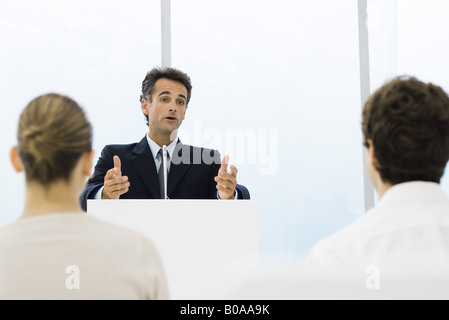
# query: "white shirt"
154,147
47,256
407,233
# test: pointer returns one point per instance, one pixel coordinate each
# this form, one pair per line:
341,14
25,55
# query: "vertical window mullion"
165,33
365,90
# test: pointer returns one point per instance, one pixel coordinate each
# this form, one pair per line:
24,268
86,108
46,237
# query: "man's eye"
181,102
164,99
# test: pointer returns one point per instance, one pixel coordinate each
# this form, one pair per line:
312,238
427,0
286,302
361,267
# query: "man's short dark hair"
166,73
408,123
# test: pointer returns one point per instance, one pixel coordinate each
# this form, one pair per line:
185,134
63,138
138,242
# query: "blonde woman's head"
53,134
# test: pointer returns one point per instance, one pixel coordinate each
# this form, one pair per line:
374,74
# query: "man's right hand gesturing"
114,183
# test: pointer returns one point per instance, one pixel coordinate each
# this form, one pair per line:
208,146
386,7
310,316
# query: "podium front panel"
198,240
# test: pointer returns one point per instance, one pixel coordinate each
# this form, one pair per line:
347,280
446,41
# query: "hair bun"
36,141
53,133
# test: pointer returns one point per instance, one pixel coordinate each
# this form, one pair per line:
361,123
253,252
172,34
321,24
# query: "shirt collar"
154,147
413,191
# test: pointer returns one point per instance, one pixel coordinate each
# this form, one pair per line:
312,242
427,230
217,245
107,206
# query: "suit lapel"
177,171
143,162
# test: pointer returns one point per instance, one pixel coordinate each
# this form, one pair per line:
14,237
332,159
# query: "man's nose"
172,107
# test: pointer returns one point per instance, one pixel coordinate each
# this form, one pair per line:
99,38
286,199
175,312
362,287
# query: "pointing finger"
117,165
224,164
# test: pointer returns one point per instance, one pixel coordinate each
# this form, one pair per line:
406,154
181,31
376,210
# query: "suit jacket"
191,176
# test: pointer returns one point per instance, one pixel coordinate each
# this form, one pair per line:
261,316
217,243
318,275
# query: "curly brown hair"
407,122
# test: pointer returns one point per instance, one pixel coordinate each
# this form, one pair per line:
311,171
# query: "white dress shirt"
154,147
406,234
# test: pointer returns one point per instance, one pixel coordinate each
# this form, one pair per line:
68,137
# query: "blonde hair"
52,135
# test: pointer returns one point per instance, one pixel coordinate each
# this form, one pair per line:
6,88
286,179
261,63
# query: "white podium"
198,240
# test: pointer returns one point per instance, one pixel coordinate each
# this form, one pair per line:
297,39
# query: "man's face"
167,108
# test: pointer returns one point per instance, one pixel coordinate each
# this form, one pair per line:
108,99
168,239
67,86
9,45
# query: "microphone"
164,163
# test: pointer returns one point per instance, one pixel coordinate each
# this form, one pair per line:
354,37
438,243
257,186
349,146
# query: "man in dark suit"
131,171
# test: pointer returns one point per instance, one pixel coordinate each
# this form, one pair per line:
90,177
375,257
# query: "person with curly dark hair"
405,126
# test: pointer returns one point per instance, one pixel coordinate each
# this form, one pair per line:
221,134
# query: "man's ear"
88,162
145,106
372,157
15,159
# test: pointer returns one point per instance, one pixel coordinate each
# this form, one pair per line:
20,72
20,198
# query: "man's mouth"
170,118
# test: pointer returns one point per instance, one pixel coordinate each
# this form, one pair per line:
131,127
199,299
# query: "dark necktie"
160,175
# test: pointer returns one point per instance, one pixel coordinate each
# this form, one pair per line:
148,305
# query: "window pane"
276,86
97,52
408,37
422,45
